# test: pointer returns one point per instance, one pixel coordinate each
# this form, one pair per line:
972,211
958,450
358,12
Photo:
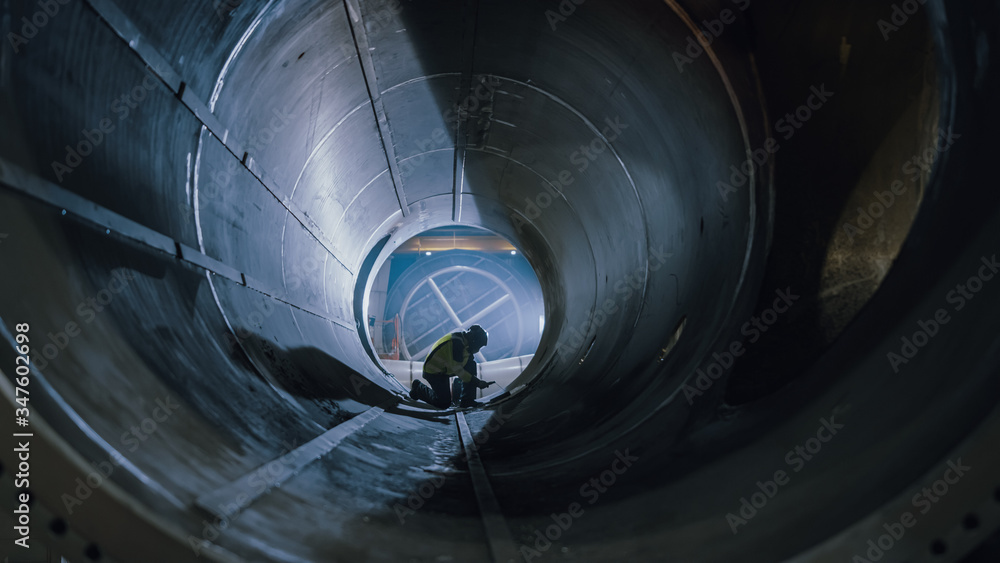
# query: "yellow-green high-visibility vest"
449,356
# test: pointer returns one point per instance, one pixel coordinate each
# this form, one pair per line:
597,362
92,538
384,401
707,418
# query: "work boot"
468,396
418,391
436,394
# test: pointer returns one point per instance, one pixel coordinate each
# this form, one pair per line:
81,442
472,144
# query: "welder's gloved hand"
484,384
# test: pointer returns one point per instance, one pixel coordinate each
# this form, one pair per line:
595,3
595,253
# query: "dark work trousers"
440,393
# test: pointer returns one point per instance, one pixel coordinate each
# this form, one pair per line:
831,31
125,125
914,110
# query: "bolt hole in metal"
58,527
970,522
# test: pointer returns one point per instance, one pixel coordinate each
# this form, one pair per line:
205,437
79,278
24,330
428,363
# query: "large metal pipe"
195,196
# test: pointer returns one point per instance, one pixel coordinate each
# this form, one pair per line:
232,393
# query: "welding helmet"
476,337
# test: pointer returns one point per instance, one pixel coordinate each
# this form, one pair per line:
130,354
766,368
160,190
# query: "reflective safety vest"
450,356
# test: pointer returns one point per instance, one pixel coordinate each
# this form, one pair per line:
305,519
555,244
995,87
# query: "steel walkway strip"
17,179
502,544
244,491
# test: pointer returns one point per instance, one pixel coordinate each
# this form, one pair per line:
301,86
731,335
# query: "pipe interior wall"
297,143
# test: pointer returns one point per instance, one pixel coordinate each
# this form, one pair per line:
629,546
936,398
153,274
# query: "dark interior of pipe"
738,216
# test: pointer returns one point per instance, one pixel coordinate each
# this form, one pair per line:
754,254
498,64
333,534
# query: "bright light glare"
513,252
427,253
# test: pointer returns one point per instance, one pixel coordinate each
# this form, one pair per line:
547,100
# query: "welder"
452,356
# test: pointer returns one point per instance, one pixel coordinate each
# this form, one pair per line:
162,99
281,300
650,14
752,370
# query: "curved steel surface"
193,196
